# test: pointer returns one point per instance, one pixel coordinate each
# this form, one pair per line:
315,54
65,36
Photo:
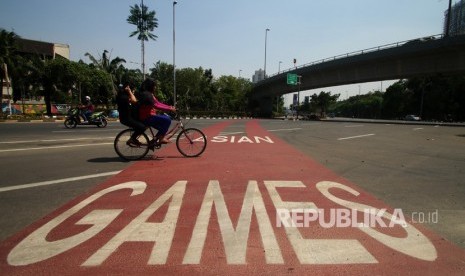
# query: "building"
456,20
45,50
258,76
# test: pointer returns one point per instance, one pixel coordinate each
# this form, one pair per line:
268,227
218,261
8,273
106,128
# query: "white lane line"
354,137
418,128
285,129
87,130
46,183
355,126
56,147
54,140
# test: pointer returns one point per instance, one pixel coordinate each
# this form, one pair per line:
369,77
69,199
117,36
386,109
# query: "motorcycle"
75,118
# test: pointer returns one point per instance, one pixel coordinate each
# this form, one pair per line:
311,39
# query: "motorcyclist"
87,108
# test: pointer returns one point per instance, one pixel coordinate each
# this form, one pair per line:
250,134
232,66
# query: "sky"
228,36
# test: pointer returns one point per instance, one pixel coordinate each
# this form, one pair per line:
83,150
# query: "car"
412,118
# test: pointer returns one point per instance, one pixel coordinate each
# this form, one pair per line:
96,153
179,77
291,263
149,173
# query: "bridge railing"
360,52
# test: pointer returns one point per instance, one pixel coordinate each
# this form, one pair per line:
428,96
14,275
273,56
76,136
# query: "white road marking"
418,128
53,140
355,126
354,137
284,129
88,130
56,147
51,182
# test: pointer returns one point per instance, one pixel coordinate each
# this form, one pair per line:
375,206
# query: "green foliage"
433,98
145,22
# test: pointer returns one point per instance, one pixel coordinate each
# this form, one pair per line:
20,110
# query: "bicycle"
190,142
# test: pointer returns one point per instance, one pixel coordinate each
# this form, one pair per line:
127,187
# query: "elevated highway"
432,55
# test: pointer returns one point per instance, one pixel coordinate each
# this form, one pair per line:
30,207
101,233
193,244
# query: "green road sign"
291,79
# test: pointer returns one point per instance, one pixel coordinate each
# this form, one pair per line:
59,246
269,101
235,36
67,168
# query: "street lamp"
264,68
174,53
240,73
448,18
277,97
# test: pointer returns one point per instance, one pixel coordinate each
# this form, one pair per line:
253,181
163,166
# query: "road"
33,153
418,169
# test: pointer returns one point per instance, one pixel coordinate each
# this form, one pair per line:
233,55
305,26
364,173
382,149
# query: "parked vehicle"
113,113
74,118
412,118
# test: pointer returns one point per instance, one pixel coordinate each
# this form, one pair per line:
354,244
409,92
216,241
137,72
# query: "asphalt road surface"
419,169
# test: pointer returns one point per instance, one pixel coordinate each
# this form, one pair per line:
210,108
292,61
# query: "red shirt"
151,107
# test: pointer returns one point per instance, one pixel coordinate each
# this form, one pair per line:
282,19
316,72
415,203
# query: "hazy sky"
228,36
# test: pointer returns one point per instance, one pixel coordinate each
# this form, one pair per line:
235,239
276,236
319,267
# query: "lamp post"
277,97
240,73
448,18
264,68
142,41
174,53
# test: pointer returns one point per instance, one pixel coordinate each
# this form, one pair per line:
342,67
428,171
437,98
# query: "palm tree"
146,22
110,66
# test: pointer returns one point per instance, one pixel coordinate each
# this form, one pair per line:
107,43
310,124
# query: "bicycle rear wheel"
191,142
129,151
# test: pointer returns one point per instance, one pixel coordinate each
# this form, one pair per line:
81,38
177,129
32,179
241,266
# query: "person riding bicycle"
127,103
149,110
87,109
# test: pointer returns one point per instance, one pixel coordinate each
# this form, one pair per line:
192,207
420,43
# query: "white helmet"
88,98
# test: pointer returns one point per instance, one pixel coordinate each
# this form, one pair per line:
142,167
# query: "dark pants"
160,122
138,126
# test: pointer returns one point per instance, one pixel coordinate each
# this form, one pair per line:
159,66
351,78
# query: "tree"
112,67
145,22
396,99
323,101
7,56
163,73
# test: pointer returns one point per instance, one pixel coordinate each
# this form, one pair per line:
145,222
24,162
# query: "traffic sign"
292,79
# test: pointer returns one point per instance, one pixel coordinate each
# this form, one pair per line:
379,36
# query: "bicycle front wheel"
131,151
191,142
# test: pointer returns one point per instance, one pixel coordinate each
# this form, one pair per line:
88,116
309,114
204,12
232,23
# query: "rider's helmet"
87,98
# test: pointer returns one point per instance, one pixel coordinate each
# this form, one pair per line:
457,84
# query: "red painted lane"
217,214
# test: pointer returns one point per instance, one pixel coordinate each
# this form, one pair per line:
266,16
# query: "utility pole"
448,18
298,96
174,53
264,67
142,41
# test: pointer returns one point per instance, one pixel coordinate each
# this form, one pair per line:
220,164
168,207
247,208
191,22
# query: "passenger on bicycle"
127,102
149,110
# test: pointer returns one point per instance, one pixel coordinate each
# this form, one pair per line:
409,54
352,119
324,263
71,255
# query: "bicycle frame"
172,130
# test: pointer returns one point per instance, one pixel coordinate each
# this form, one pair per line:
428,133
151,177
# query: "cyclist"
149,110
127,102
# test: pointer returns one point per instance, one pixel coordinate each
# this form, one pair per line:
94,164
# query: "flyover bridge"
431,55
